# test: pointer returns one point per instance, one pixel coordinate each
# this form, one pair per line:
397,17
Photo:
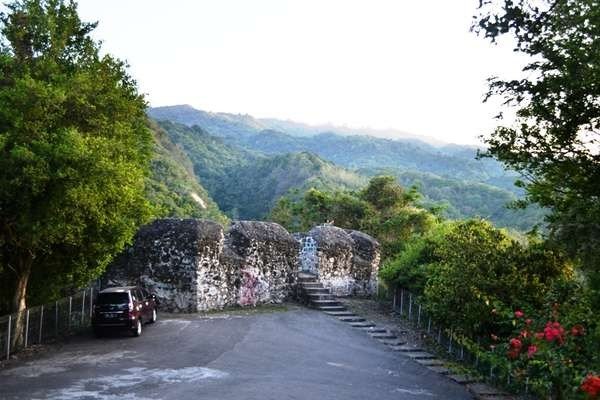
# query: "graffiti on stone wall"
253,289
308,255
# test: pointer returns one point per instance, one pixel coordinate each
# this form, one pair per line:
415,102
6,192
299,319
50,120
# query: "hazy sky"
409,65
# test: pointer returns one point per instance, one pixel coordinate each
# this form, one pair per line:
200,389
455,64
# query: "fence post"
394,301
409,306
450,342
56,319
82,308
440,335
419,317
70,309
26,326
402,301
429,325
91,303
8,337
41,322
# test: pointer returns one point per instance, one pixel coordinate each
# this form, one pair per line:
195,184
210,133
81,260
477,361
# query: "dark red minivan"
127,307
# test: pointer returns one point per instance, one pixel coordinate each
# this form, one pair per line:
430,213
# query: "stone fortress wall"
197,265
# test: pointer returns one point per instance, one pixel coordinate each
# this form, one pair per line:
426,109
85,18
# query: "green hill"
246,184
464,199
173,187
237,151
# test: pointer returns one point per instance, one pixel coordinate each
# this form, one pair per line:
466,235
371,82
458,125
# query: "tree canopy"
555,140
74,150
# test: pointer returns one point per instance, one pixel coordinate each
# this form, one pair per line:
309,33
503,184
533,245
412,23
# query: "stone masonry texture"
196,265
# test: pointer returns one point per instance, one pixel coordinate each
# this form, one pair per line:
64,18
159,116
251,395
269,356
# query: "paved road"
298,354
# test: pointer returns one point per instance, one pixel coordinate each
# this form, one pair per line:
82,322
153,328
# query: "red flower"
539,335
578,330
519,314
512,354
591,385
516,344
554,331
531,350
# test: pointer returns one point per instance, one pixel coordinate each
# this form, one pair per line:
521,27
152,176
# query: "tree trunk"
19,300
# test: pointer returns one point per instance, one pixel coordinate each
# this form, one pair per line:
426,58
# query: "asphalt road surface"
296,354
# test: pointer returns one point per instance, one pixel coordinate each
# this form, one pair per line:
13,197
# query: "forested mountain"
227,124
246,183
461,199
339,146
172,187
246,168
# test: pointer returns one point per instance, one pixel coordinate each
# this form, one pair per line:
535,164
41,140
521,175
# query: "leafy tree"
383,209
74,150
555,140
481,275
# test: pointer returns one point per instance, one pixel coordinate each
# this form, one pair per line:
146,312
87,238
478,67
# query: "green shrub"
483,275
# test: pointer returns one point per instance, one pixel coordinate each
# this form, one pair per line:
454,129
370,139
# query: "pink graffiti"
249,292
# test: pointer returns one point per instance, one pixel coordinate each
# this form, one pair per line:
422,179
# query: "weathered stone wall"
266,256
348,261
193,265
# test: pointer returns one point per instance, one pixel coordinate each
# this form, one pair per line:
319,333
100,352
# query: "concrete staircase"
315,295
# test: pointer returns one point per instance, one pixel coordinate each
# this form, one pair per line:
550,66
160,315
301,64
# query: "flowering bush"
591,386
552,357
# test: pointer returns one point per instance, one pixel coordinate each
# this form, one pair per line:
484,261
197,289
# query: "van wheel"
137,331
154,316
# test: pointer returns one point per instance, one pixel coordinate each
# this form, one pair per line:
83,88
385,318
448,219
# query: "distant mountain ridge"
230,151
228,124
245,183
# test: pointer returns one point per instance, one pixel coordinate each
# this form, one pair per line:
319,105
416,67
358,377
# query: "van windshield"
113,298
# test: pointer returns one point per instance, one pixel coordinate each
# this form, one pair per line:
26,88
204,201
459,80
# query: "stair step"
325,302
362,324
355,318
331,308
430,362
371,329
462,379
438,369
310,290
312,285
321,296
340,313
392,342
405,348
383,335
420,355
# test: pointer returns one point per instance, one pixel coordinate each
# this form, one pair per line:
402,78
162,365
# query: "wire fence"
459,348
45,323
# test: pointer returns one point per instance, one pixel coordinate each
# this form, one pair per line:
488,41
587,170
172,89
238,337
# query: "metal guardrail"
47,322
459,348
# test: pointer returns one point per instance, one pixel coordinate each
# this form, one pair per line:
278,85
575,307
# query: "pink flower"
531,350
528,321
554,331
578,330
515,343
539,335
519,314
